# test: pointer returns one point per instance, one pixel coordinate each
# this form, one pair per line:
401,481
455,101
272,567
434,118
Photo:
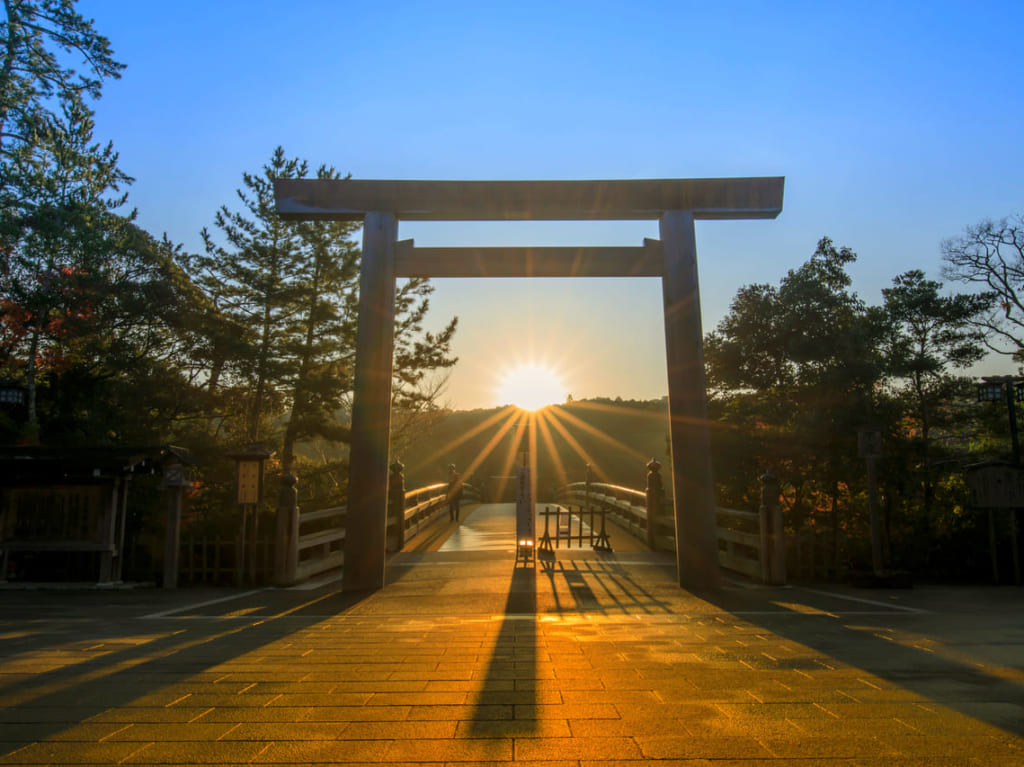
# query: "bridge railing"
313,542
320,543
749,542
625,506
422,507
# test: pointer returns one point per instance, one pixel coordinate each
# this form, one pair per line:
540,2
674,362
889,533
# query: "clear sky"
895,124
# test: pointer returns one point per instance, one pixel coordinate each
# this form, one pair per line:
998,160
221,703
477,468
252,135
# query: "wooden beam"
692,480
623,199
366,519
645,261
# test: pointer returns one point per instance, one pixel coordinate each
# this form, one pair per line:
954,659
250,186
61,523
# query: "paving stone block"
689,747
607,748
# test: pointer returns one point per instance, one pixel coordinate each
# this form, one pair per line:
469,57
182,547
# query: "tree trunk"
299,398
929,491
261,378
31,369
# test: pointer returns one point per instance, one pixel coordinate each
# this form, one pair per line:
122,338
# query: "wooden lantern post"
176,480
249,496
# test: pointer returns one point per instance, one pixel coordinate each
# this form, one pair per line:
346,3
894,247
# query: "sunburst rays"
564,440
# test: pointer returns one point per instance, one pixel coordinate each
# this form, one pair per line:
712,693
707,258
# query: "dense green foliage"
799,369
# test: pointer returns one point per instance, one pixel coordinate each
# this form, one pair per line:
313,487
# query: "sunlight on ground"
531,387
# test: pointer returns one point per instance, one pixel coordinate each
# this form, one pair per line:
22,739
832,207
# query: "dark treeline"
796,369
117,336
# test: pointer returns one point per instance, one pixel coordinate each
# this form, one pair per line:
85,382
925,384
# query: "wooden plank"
313,516
621,199
431,491
645,261
310,540
736,514
753,540
748,567
431,503
313,567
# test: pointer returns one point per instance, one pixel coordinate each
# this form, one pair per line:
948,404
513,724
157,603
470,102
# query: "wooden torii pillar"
675,203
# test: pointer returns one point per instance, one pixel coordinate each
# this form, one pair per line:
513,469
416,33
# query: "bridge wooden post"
692,478
396,506
366,519
655,497
286,542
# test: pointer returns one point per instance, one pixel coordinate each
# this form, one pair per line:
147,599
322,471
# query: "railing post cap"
397,466
654,465
289,479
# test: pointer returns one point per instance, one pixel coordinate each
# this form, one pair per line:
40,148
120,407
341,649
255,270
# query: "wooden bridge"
311,543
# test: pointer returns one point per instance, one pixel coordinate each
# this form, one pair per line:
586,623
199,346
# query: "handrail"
739,549
316,540
434,489
427,503
735,514
626,506
313,516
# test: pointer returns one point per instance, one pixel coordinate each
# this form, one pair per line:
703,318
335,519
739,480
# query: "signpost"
998,485
249,475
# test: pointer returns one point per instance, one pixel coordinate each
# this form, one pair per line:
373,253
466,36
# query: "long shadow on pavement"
43,703
618,591
511,677
902,646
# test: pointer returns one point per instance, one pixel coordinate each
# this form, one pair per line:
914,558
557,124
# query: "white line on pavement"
167,613
874,602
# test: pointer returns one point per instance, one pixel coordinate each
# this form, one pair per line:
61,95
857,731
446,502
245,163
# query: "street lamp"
1010,388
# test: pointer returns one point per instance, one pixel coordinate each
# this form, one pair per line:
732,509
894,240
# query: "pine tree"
322,331
41,96
931,333
290,293
57,243
58,189
252,281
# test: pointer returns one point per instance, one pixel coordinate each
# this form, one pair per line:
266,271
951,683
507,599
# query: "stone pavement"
463,659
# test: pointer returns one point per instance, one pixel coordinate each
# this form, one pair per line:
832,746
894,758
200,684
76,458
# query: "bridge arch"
674,203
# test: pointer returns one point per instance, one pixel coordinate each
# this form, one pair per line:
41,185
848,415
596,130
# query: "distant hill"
617,437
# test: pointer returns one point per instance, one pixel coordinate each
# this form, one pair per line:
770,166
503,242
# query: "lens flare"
531,387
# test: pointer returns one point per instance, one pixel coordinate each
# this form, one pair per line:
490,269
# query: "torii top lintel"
623,199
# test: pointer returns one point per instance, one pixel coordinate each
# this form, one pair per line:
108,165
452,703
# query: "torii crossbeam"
674,203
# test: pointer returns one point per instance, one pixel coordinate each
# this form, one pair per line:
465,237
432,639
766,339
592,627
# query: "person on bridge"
454,493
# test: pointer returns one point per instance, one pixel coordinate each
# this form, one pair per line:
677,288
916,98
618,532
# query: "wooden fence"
214,561
320,535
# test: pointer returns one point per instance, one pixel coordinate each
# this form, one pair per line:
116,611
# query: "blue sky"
895,124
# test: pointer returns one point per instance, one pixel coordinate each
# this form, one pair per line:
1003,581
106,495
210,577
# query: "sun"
530,387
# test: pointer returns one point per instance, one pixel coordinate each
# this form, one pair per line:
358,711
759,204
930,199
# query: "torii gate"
675,203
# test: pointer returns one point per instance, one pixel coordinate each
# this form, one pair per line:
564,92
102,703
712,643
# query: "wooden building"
63,510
